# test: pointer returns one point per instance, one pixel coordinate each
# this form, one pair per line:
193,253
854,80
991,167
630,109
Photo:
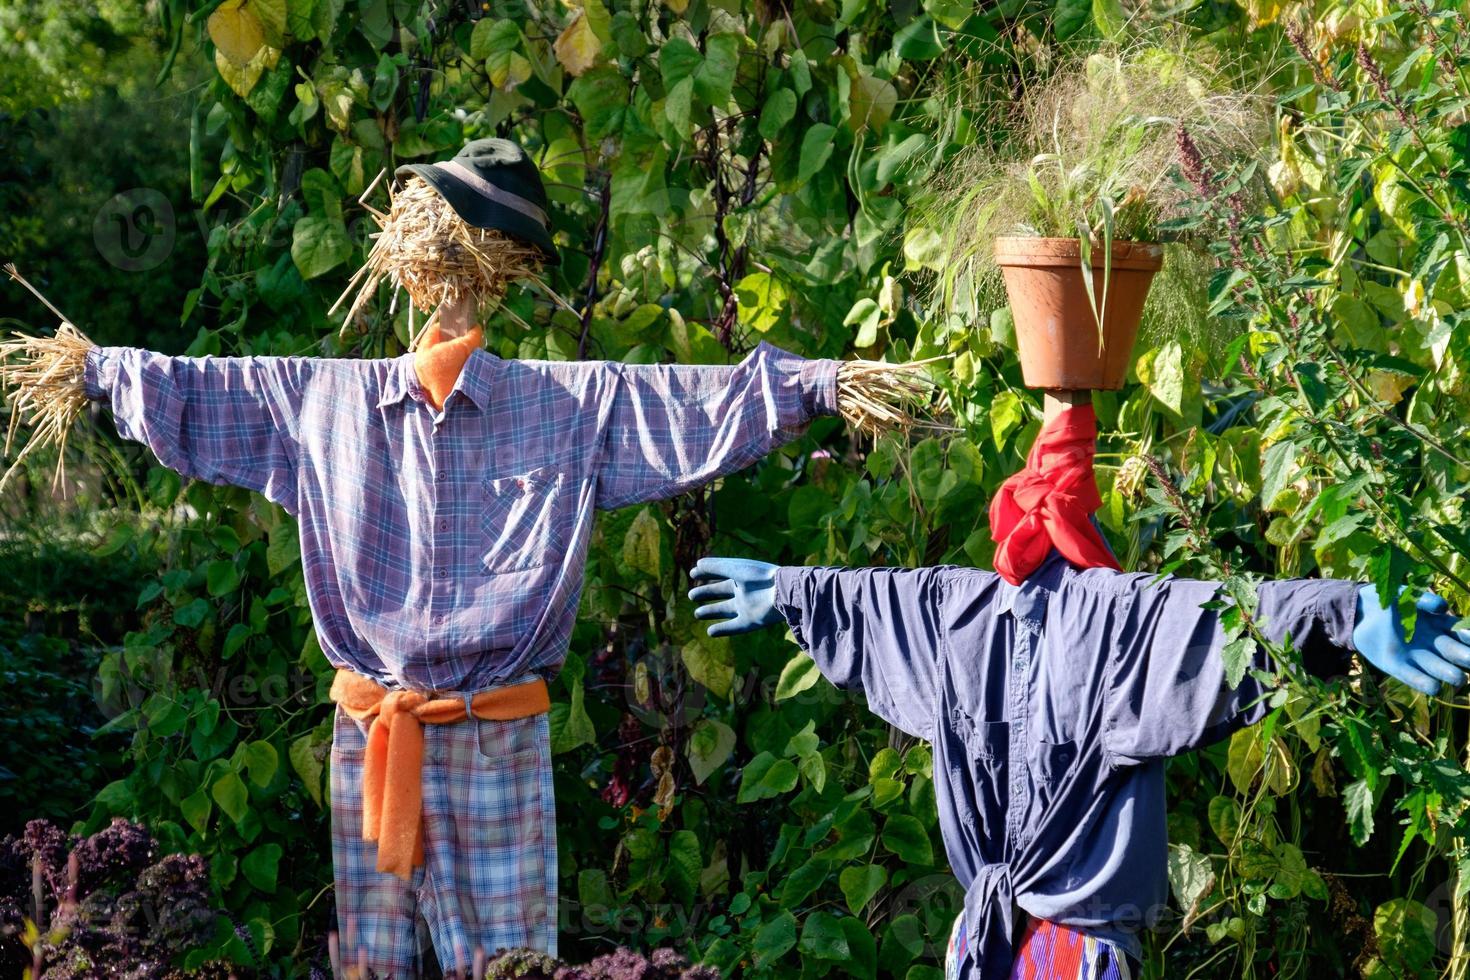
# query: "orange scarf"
1051,501
438,362
392,769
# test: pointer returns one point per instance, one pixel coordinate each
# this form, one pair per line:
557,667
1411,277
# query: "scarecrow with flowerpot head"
1054,688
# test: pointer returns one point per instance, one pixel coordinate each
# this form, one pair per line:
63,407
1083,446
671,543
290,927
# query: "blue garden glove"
1437,653
743,590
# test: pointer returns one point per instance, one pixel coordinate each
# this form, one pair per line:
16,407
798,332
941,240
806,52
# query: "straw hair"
426,248
875,397
45,374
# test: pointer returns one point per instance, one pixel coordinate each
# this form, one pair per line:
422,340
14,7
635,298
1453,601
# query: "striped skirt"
1049,951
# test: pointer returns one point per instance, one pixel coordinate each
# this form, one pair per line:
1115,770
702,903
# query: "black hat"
491,183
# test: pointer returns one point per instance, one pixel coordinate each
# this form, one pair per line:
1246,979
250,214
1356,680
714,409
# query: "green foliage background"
721,173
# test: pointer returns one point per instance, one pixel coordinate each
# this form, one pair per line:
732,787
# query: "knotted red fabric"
1050,502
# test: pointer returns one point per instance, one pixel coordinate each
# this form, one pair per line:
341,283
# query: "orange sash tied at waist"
392,769
1051,502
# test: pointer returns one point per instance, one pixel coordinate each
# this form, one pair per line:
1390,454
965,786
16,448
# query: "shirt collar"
473,381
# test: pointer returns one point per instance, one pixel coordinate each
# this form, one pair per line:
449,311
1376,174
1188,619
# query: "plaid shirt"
445,551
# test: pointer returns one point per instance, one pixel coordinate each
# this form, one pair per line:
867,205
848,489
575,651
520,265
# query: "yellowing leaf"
577,47
237,32
242,79
1388,386
677,6
1263,12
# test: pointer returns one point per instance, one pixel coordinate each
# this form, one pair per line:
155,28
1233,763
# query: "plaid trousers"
489,875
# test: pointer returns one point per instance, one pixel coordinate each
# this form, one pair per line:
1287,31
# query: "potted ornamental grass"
1068,208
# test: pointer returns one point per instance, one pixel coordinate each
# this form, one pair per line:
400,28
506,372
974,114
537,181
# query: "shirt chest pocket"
523,519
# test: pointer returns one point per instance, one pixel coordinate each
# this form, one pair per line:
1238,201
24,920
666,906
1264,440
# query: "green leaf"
319,245
777,113
307,761
710,661
192,614
1277,468
685,864
678,60
641,544
1237,655
230,793
1166,377
572,726
600,95
799,885
766,776
774,939
823,938
222,577
1110,18
918,40
262,762
195,808
905,836
1006,413
716,75
260,867
1189,875
859,885
1358,799
799,674
710,744
816,148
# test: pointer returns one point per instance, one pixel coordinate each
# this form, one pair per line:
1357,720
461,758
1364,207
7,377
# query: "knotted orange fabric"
437,361
1051,501
392,768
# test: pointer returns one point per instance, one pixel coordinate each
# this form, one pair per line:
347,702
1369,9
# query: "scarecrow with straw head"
445,500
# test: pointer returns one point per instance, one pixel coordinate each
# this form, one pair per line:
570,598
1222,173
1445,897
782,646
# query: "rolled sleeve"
98,372
819,386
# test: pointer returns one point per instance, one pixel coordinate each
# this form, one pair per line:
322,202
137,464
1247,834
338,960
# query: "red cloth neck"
1050,502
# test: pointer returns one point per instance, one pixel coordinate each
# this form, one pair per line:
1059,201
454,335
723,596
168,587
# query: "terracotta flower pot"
1056,330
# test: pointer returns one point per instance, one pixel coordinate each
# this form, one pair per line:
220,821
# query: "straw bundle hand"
41,378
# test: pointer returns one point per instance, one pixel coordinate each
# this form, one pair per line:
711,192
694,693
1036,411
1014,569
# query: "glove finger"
717,610
1435,666
1415,678
720,589
730,627
1454,648
1431,603
713,566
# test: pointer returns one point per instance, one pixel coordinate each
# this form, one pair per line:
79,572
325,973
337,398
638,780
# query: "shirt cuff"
1327,645
790,599
819,386
98,373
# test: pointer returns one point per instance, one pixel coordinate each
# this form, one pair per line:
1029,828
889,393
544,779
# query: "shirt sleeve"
1165,690
674,427
875,630
225,420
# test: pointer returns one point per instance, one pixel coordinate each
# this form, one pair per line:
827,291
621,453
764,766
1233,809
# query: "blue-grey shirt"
1051,707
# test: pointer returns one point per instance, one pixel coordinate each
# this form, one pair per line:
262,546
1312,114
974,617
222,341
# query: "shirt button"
443,525
442,572
438,617
441,476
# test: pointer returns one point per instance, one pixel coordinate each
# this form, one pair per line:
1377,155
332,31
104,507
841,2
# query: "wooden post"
1053,402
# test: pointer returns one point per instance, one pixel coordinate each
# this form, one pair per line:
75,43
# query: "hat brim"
479,211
